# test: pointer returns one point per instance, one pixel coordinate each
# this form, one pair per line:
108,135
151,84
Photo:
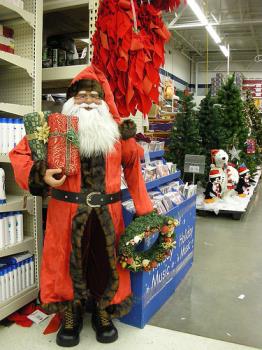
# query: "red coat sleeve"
131,155
22,163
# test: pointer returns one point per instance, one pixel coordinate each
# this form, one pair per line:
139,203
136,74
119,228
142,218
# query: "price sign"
194,164
194,169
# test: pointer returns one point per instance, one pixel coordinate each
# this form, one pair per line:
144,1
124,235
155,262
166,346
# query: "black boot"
72,323
105,330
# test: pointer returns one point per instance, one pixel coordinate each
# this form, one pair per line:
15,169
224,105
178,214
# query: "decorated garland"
144,227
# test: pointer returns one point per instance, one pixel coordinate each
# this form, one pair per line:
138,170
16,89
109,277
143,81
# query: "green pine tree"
254,118
255,132
233,121
185,138
209,123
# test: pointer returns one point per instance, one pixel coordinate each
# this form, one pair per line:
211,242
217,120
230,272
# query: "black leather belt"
92,199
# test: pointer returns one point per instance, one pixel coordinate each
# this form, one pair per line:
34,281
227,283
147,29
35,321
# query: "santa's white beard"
97,130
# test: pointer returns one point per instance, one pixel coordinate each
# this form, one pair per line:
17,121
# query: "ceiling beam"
189,43
252,31
223,23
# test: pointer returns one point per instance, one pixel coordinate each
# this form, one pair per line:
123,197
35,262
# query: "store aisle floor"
221,297
130,338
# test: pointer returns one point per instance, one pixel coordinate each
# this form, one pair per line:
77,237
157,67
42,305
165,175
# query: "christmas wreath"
144,227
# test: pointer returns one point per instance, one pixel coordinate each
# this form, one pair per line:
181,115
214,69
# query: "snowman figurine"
214,188
244,181
229,175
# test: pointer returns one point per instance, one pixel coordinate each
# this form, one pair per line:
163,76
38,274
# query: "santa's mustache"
90,106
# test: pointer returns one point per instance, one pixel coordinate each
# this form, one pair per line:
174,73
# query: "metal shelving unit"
18,203
62,73
22,298
8,11
20,93
27,244
17,61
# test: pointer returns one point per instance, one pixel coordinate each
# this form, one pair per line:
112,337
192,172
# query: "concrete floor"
228,264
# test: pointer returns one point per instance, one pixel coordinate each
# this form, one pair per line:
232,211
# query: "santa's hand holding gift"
84,220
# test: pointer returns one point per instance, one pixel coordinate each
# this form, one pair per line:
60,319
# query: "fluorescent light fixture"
85,40
197,11
224,50
186,25
213,34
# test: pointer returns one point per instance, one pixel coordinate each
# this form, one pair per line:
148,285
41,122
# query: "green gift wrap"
37,133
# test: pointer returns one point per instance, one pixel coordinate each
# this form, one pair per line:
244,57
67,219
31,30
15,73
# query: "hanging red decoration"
129,49
166,5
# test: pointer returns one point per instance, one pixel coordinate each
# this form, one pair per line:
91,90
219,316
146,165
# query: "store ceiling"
239,24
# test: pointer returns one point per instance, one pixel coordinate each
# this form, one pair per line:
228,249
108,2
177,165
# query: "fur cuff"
37,186
127,129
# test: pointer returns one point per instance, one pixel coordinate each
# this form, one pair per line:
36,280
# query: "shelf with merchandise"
10,11
16,109
153,184
23,298
150,295
9,59
18,203
26,245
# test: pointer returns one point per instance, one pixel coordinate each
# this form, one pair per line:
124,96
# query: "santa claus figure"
84,219
213,189
244,181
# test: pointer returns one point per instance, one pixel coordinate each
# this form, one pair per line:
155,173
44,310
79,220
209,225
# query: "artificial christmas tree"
252,157
185,138
254,119
234,127
210,127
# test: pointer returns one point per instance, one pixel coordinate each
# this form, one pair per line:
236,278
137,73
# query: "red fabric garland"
130,60
166,5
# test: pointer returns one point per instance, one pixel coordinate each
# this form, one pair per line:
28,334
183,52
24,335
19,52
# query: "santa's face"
90,98
97,130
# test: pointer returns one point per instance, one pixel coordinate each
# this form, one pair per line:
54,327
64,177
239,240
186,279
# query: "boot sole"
102,340
69,343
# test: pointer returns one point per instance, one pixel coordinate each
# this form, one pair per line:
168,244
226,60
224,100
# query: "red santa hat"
93,73
243,170
214,173
213,154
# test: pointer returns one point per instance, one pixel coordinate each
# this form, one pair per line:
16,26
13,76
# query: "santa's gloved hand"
51,180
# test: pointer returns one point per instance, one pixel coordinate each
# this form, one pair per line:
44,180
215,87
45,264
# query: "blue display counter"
152,289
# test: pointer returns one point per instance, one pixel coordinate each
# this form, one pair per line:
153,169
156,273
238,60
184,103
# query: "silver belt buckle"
89,198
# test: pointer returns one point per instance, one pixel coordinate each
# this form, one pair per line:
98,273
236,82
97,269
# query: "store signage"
151,289
194,164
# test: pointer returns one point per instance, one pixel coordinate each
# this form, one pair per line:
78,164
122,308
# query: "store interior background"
228,258
227,263
206,303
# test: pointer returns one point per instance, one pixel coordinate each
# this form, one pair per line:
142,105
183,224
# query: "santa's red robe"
69,226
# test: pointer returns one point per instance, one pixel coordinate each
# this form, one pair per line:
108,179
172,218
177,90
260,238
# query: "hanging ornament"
234,153
251,146
129,49
166,5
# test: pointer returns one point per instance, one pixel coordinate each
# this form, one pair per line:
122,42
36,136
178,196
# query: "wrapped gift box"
37,133
63,151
